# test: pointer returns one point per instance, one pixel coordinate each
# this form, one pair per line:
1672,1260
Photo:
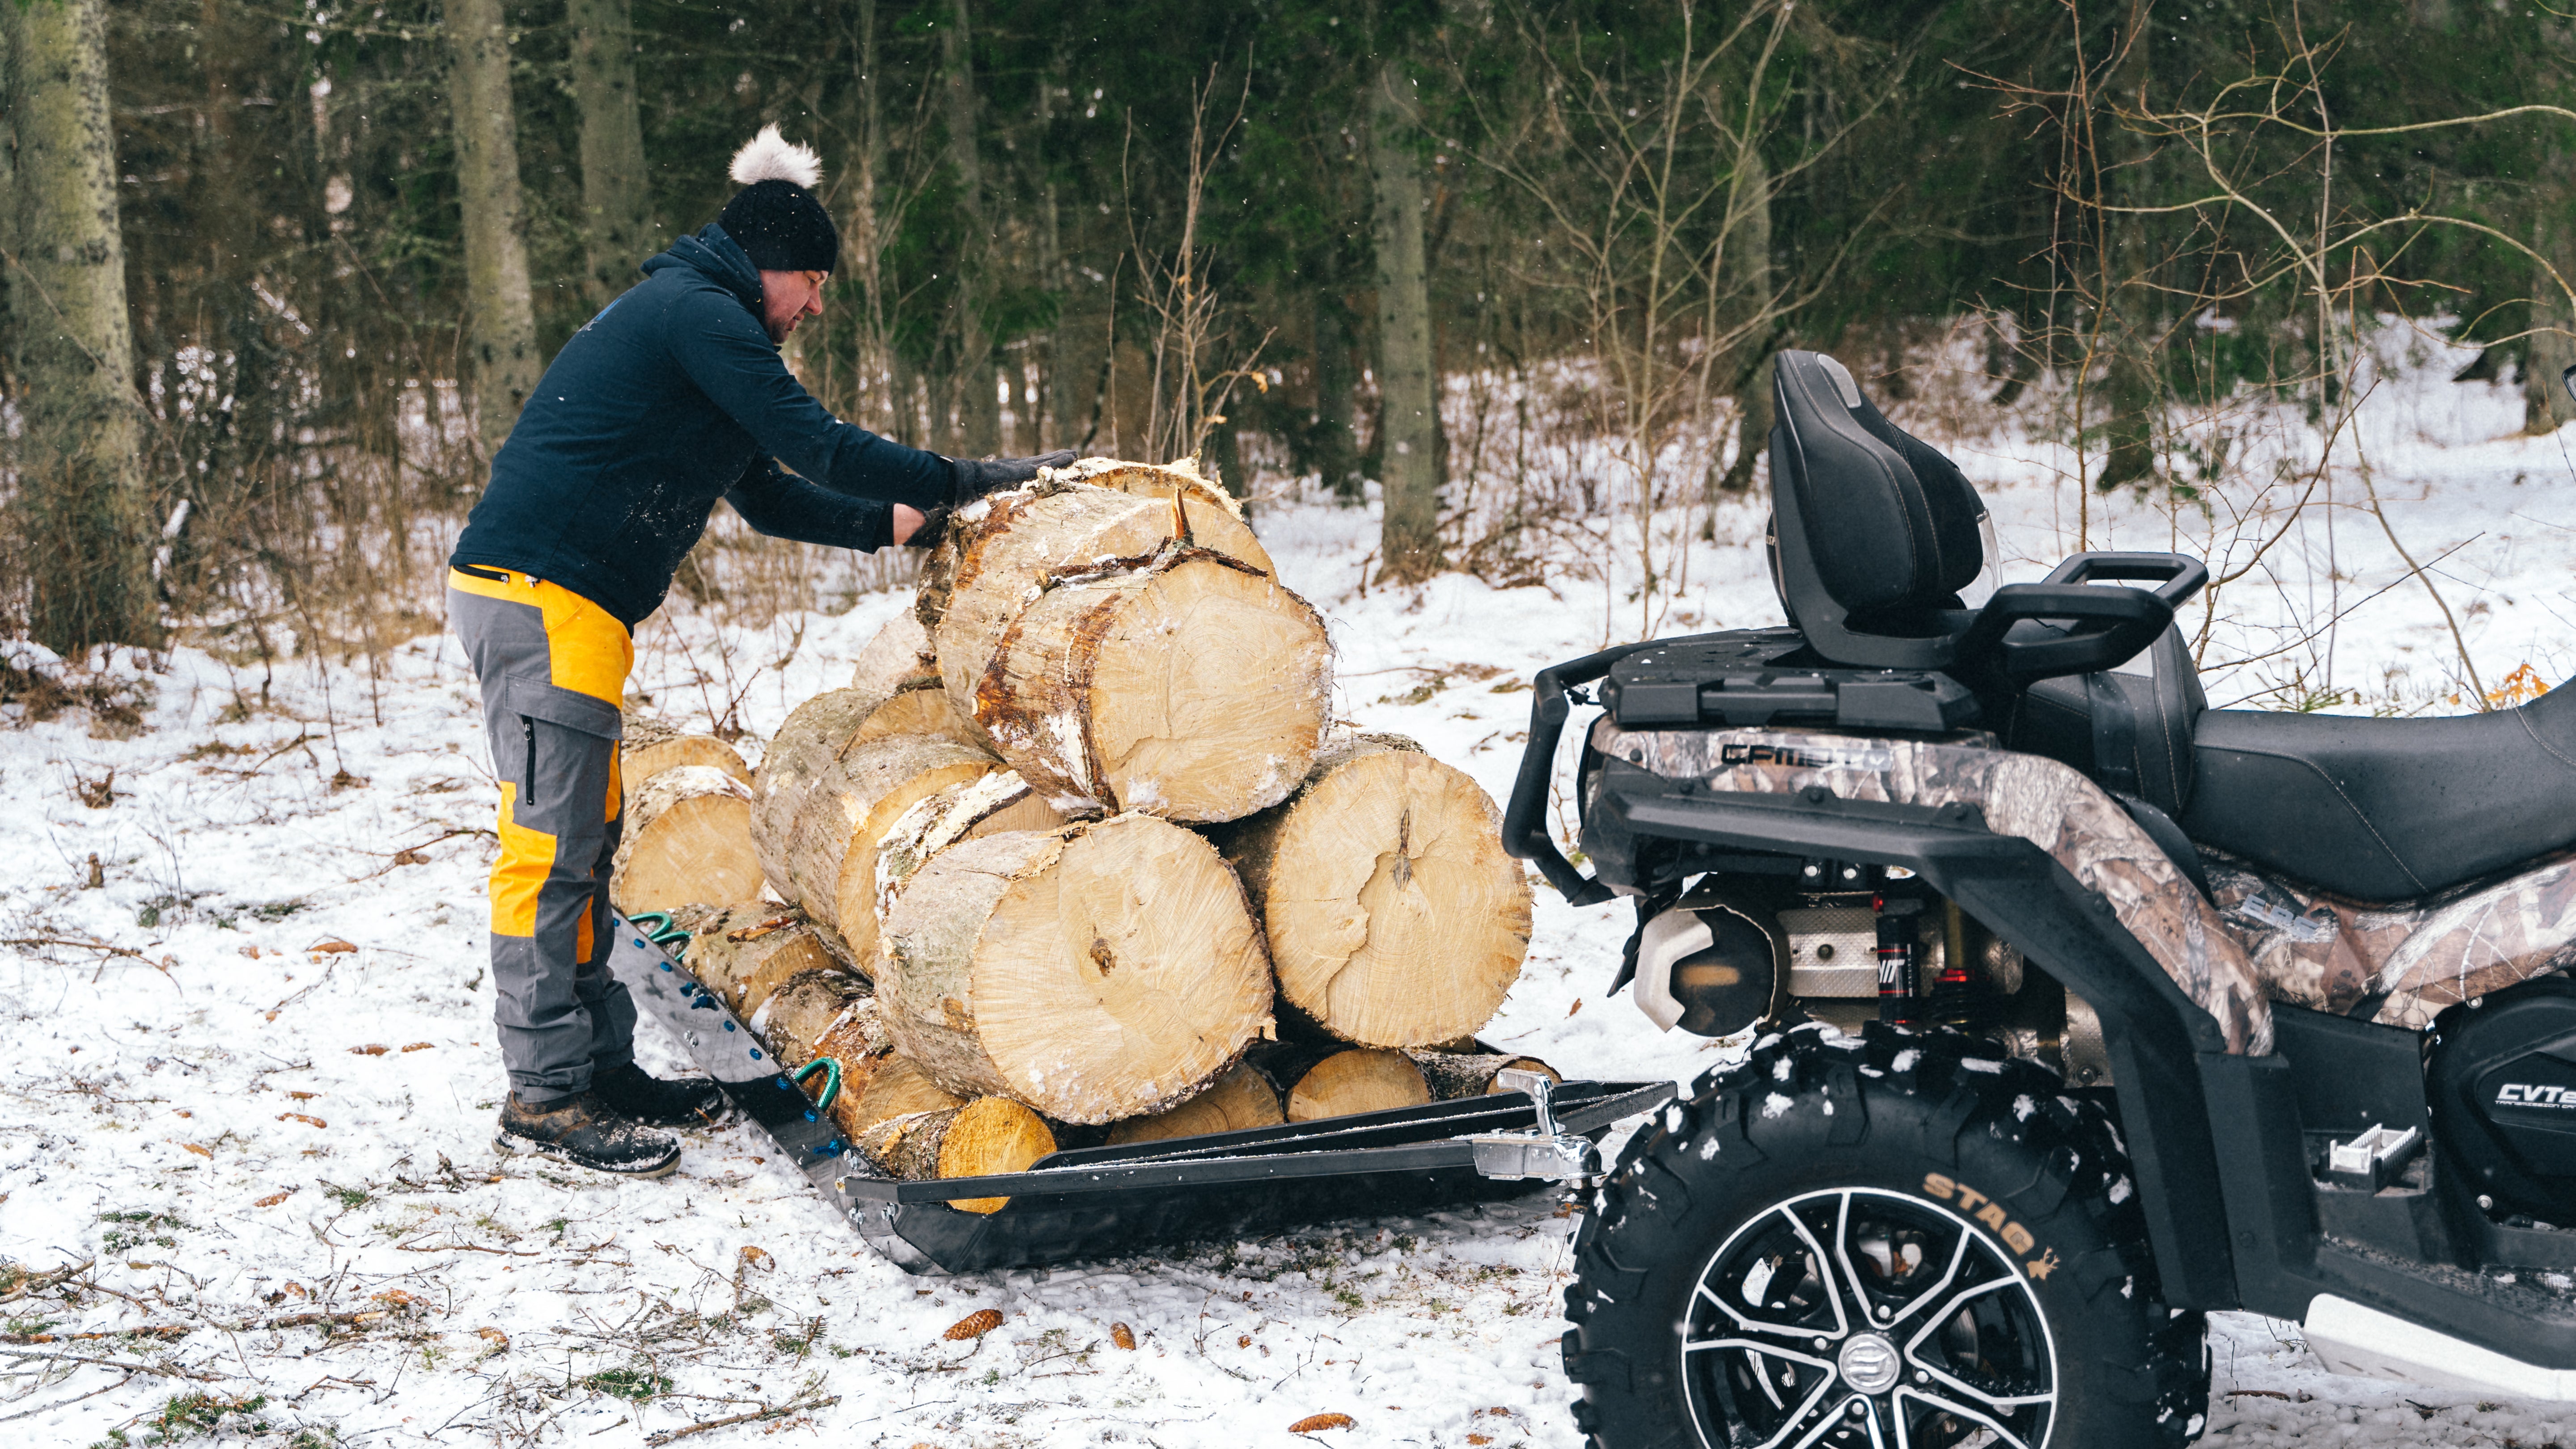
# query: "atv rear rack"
1094,1202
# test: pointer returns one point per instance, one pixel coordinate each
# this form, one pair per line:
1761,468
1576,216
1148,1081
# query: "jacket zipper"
528,733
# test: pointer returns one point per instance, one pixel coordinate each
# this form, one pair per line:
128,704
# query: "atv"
2077,1008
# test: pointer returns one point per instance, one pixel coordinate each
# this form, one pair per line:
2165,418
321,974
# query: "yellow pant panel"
588,651
527,859
616,786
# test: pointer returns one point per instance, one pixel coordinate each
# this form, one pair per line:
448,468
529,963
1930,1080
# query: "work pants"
552,666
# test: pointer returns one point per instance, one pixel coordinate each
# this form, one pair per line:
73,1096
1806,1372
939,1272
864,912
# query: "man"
672,397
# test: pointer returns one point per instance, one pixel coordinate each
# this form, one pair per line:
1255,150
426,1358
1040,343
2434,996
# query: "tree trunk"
503,328
1336,453
864,248
745,952
616,200
2552,347
1394,918
1191,687
2132,391
1748,252
1409,429
1453,1075
650,747
1095,973
80,480
1241,1098
1362,1079
687,839
983,1138
980,412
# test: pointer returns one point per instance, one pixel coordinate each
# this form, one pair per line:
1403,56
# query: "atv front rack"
1089,1203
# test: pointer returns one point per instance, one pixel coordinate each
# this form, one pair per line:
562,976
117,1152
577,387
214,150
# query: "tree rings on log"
1097,972
1393,916
988,1136
651,746
742,953
1214,518
687,838
1453,1076
1239,1099
1188,686
1361,1079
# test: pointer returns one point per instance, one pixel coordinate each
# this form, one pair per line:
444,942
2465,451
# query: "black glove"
970,480
934,527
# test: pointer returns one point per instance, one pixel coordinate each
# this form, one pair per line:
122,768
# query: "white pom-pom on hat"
772,157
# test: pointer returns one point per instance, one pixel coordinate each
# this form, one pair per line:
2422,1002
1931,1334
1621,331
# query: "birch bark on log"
1393,916
803,750
1189,687
1096,972
849,808
746,951
688,838
988,805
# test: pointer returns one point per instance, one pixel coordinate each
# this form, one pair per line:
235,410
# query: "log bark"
825,1013
987,1136
1361,1079
1190,687
1452,1075
688,838
1394,918
1214,517
1095,973
988,805
1241,1098
897,656
744,952
803,750
651,746
1095,509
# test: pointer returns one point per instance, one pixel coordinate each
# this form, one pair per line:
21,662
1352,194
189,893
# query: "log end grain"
687,839
1241,1098
1362,1079
898,656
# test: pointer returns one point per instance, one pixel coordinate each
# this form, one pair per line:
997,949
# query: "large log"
652,746
802,751
1213,518
1241,1098
688,838
1095,972
1073,515
987,805
1393,916
744,952
987,1136
1187,686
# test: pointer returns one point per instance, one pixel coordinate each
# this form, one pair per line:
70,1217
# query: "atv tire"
1843,1233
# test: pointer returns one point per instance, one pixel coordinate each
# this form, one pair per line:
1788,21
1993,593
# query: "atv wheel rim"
1855,1316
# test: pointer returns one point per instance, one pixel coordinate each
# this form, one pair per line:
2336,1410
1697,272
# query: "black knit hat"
775,218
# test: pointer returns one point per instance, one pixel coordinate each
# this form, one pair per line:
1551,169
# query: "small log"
897,657
1186,685
924,709
802,1012
986,1136
821,1017
742,953
1241,1098
688,838
1096,972
652,746
1393,916
1360,1079
1453,1076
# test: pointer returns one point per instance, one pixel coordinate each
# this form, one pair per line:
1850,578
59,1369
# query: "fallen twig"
157,1330
38,1282
115,1363
782,1411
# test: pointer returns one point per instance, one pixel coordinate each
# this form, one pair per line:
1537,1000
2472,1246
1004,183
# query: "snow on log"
1393,916
1214,518
986,1136
687,838
1185,685
1096,972
652,746
1240,1098
849,808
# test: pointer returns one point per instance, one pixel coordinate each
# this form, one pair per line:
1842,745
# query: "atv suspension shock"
1900,954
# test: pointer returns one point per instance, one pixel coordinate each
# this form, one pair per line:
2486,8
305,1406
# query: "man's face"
787,298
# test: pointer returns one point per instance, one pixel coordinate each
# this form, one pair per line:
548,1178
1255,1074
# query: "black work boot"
588,1133
631,1092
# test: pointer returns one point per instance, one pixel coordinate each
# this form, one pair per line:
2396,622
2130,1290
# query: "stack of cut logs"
1074,833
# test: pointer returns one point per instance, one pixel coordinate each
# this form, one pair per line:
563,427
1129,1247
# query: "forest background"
277,274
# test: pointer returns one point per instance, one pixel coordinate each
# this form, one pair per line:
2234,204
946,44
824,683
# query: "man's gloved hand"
932,528
970,480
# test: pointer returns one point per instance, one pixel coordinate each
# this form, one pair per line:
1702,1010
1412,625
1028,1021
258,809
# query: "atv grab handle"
2111,626
1525,817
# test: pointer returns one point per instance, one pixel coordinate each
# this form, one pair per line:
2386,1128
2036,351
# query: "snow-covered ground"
252,1080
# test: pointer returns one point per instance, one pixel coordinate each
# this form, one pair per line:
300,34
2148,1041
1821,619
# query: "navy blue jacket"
671,398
